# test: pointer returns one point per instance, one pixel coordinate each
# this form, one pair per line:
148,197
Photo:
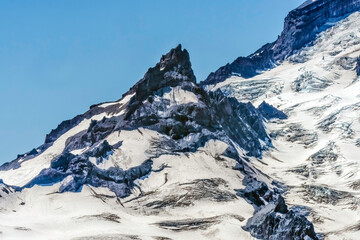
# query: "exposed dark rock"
61,163
109,237
245,67
303,23
10,165
358,66
61,129
161,238
189,224
281,205
295,133
103,216
33,152
323,194
272,219
355,185
6,189
102,150
173,69
300,28
269,112
325,155
254,191
68,124
22,229
24,157
347,63
330,122
92,125
189,193
308,82
46,177
79,170
224,117
272,225
303,170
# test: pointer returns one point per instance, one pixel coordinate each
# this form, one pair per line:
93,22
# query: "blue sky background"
59,57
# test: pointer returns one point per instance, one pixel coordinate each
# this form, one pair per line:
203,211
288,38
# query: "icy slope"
317,148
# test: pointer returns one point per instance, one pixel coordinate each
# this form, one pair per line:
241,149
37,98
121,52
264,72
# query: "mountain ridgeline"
300,29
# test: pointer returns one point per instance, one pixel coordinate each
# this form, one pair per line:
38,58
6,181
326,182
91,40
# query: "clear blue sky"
59,57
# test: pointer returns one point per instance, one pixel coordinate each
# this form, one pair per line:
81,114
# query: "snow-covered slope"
316,150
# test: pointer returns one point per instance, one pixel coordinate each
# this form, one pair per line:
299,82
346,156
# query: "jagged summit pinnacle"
178,60
173,68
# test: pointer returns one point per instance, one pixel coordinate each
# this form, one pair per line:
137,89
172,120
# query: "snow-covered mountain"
168,160
265,148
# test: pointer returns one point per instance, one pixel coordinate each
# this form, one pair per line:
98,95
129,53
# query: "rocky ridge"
300,29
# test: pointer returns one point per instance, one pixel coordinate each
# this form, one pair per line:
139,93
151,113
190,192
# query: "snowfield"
42,212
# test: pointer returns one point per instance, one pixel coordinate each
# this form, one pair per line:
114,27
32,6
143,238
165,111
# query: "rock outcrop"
272,218
269,112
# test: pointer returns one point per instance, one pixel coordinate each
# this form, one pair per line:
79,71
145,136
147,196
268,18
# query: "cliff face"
246,67
173,68
300,28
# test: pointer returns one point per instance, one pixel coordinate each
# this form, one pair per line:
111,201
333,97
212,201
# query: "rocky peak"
173,69
177,60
